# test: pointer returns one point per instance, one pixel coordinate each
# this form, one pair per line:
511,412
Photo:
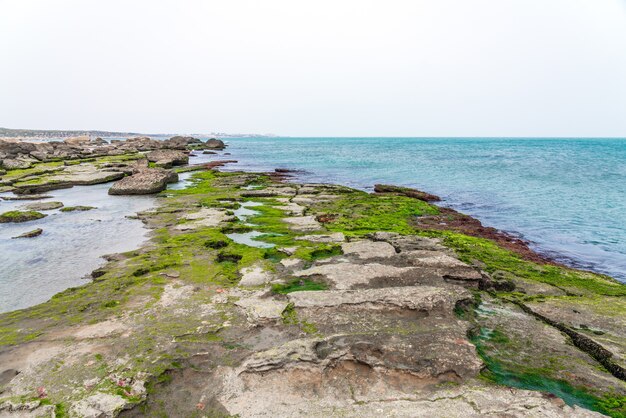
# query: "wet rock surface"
44,206
31,234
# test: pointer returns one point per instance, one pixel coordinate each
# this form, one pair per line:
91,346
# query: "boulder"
147,181
15,164
44,206
214,144
43,151
168,157
12,149
30,234
181,142
98,141
77,140
18,216
40,155
140,143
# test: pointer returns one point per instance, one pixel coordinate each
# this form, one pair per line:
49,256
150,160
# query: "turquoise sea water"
566,196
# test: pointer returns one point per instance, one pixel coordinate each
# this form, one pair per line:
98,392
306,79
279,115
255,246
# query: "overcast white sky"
316,68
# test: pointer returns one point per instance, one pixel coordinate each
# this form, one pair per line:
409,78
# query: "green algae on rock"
78,208
20,216
30,234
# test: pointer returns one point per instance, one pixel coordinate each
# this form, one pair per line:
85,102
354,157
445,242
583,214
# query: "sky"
316,68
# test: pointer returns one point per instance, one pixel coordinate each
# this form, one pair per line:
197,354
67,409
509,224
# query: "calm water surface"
71,246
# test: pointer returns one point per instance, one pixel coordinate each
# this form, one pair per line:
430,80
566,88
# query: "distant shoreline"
47,134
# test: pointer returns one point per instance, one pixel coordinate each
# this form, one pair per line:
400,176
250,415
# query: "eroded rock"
365,249
44,206
99,405
334,237
254,276
168,158
148,181
205,217
18,216
303,223
31,234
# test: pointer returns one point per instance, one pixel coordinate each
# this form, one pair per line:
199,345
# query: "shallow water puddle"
248,238
243,213
71,245
252,187
184,181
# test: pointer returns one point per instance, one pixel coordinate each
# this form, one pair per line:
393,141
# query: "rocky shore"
260,297
141,164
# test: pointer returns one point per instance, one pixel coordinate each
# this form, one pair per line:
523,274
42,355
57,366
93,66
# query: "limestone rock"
31,234
368,249
181,142
348,275
26,197
214,144
288,250
426,298
262,308
77,140
292,209
432,259
409,242
168,157
17,216
254,276
303,223
83,174
291,263
100,405
44,206
147,181
205,217
14,164
79,208
324,238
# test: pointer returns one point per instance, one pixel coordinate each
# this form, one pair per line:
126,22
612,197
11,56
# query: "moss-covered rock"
20,216
78,208
31,234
